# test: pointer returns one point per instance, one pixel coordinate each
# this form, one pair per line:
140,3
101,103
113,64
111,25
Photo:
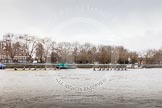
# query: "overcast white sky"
135,24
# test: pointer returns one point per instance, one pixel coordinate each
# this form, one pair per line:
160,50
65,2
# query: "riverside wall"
43,65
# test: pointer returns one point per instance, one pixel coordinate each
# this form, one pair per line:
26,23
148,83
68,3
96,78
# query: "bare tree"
40,53
123,55
104,54
65,52
47,44
75,51
30,46
133,57
12,47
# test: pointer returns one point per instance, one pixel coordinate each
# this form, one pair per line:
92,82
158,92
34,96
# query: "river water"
81,88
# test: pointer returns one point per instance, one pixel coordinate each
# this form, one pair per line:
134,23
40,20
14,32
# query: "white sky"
135,24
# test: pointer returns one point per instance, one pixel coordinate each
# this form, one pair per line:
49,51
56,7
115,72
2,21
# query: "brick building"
19,56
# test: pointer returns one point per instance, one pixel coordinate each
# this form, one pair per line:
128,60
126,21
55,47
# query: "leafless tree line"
152,56
43,49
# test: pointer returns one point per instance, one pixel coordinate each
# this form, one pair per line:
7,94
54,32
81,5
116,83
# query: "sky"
135,24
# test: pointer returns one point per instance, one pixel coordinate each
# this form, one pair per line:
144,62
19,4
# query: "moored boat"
65,66
2,66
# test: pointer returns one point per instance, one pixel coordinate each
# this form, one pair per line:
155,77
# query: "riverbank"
50,65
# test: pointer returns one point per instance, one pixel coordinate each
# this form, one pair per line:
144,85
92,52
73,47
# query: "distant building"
2,53
19,57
